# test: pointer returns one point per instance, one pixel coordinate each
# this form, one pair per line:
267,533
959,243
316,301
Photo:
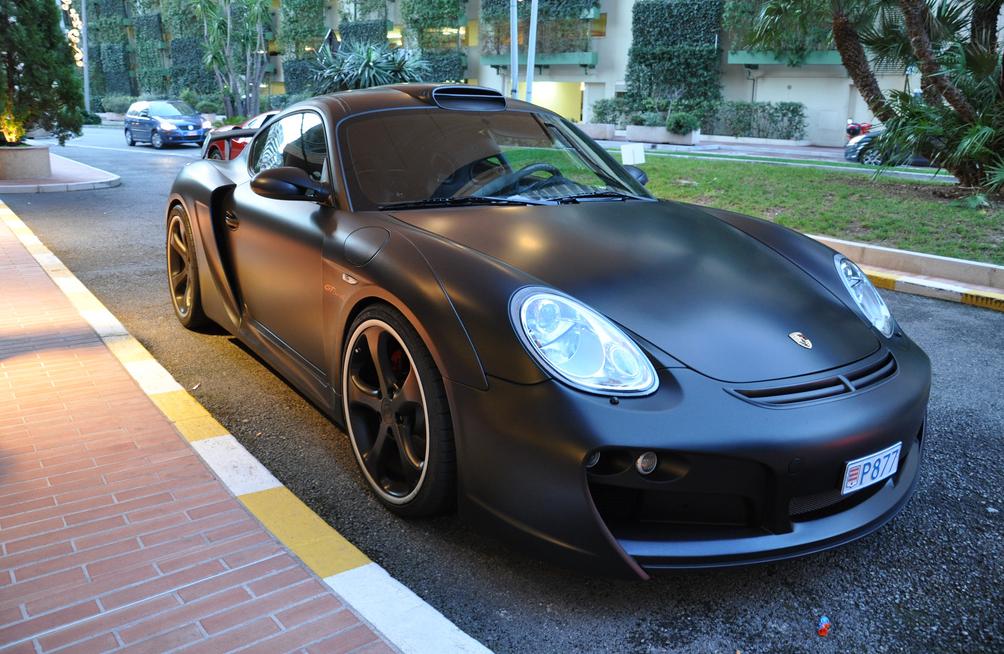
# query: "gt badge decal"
801,339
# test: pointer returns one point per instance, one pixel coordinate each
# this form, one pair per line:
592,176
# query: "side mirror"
638,174
145,113
289,183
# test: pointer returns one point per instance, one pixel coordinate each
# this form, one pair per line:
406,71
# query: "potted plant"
684,128
39,86
603,122
648,127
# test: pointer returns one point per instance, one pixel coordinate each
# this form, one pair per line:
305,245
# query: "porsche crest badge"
801,339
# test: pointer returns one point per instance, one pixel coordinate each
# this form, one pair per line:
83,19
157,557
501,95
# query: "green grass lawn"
908,214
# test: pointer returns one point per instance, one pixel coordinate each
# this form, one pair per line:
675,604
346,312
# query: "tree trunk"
853,56
983,26
914,15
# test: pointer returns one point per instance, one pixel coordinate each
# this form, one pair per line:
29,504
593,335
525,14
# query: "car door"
136,123
277,244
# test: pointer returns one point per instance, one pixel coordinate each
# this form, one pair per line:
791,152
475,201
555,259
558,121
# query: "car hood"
711,296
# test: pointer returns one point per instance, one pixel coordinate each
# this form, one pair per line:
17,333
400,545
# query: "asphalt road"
930,581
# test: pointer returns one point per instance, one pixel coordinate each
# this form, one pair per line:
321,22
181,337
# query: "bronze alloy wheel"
386,412
182,271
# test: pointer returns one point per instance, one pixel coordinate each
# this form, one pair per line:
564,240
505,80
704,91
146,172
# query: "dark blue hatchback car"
164,122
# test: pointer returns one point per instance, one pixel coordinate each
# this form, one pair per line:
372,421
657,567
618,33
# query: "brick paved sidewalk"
115,535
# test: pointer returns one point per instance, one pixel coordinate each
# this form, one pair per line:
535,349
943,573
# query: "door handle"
231,220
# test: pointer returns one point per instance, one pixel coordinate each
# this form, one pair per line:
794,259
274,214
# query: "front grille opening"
650,514
827,503
859,379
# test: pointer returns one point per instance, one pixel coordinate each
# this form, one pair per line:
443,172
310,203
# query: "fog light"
646,463
593,459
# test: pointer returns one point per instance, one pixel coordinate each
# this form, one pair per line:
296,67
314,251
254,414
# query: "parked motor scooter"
857,129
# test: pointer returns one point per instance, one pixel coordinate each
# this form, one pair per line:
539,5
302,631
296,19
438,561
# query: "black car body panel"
752,431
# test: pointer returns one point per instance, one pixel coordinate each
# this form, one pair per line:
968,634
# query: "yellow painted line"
200,428
323,549
179,405
985,300
883,280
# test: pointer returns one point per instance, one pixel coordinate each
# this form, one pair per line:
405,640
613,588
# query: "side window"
296,140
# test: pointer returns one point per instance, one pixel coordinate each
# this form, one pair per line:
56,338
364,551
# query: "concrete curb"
405,620
944,278
109,180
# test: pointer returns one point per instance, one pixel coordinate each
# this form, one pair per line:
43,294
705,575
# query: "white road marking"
234,465
401,615
134,150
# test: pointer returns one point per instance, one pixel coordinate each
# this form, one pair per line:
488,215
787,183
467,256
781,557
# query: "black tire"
370,411
183,271
128,138
156,140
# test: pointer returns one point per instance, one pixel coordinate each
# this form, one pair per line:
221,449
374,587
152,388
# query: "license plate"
871,469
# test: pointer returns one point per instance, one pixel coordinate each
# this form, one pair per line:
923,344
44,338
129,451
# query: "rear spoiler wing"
226,135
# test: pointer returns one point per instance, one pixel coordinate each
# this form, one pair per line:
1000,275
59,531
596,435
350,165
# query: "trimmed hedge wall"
560,27
769,120
151,73
297,75
187,68
674,52
363,31
445,66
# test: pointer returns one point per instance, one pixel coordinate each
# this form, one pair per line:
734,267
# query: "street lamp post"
531,50
514,48
83,47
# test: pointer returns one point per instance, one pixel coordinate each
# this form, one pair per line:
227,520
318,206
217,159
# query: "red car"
217,149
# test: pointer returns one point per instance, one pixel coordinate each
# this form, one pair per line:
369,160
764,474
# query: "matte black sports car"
500,315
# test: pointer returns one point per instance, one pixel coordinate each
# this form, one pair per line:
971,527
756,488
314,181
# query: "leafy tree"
236,46
362,65
37,70
958,119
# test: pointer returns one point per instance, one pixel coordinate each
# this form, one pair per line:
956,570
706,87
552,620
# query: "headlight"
581,347
864,293
166,125
206,124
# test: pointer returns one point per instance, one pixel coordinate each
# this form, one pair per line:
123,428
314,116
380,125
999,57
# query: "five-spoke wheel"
182,271
396,414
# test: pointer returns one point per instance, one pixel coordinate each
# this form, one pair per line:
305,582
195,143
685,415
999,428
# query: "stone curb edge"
111,180
403,618
942,278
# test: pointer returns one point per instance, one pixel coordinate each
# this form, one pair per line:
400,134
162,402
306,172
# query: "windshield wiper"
618,195
466,201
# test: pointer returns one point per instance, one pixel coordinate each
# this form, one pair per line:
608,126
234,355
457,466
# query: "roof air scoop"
468,98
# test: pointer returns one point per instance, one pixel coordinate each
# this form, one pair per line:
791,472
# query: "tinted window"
135,108
421,155
296,140
171,108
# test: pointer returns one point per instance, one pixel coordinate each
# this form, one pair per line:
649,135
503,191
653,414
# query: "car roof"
406,96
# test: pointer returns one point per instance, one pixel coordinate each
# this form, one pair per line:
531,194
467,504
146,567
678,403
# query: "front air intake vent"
468,98
856,380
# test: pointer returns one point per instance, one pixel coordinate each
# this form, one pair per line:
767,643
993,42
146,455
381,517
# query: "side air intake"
468,98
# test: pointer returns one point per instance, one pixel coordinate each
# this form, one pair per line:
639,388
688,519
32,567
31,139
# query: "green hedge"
301,25
151,72
445,66
424,21
363,31
187,68
769,120
297,75
115,68
674,52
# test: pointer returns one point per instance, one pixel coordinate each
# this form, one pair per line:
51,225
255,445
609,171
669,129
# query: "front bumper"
739,481
184,136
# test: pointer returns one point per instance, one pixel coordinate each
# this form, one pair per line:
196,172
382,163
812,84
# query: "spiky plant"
362,65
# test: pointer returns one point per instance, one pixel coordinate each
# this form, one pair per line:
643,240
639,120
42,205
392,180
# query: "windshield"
432,156
171,108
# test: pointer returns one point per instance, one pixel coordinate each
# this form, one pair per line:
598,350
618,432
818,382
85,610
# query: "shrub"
608,110
207,106
682,123
647,119
89,118
117,104
296,74
780,120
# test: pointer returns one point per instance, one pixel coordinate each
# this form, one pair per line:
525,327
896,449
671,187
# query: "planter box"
25,162
643,134
753,140
603,131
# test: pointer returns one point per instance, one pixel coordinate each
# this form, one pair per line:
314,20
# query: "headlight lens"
166,125
864,293
583,348
206,124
